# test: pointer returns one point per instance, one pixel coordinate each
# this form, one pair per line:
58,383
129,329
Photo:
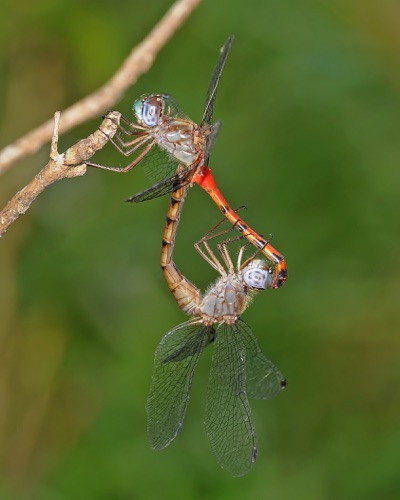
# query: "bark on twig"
61,166
138,62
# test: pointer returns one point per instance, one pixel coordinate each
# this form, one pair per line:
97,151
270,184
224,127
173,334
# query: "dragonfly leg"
203,247
123,169
129,147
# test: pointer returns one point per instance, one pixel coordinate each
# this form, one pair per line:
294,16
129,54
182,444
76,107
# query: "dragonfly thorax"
225,301
181,137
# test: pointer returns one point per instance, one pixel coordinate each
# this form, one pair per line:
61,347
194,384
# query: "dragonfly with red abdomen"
174,151
239,369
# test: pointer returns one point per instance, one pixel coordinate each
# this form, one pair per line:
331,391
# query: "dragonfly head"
257,275
148,109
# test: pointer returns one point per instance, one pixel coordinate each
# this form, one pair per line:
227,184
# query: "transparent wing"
158,164
264,379
175,360
228,420
210,141
172,108
213,86
166,186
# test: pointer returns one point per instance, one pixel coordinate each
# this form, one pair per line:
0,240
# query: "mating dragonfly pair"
175,152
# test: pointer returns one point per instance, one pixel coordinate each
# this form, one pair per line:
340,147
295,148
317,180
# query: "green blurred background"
310,101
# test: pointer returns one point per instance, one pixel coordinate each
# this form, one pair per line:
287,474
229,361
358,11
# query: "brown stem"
61,166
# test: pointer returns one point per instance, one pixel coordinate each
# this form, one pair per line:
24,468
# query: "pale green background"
310,101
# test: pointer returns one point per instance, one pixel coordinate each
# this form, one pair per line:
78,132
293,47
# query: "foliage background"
310,101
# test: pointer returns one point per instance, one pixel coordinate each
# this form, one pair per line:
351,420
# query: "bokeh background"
310,101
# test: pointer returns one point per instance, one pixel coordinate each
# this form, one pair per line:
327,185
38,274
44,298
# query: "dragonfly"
239,369
174,151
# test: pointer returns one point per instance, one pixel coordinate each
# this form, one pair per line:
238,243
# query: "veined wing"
210,141
158,164
175,360
213,86
228,420
180,179
264,380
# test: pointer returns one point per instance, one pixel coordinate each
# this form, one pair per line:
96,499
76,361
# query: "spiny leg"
127,148
128,167
128,127
203,248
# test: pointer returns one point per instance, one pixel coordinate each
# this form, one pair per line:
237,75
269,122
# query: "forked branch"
60,166
72,162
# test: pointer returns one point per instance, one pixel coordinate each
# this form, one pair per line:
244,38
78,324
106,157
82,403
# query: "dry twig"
138,62
61,166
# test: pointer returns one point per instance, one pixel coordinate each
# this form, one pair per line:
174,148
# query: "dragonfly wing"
158,164
215,78
166,186
175,360
264,379
228,420
211,138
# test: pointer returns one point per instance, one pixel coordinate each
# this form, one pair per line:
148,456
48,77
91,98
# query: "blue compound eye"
148,110
256,275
